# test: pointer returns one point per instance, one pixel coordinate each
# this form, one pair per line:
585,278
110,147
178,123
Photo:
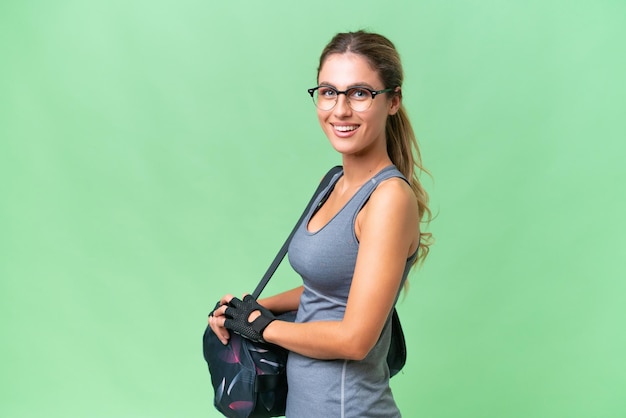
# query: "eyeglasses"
359,98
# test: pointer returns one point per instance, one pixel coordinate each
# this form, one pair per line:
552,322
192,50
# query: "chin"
342,146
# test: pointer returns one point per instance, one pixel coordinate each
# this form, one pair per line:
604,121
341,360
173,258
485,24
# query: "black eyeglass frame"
374,93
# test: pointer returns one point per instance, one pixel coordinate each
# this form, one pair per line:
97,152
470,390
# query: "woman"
354,249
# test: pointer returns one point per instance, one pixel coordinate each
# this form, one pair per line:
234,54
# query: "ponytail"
405,155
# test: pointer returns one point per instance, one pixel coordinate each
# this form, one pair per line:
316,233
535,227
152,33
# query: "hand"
217,318
247,318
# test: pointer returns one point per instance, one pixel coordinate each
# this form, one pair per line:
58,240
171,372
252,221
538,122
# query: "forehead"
348,69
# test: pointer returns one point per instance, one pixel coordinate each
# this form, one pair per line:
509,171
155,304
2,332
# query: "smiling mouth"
345,128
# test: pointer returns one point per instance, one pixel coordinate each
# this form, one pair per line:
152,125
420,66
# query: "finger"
226,299
219,311
235,302
217,325
230,312
223,301
223,334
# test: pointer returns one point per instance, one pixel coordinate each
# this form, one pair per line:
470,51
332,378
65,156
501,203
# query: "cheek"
379,118
321,117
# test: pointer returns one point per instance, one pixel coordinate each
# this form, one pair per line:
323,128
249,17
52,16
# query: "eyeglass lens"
359,99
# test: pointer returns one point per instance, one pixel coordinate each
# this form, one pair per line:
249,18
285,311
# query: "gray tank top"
326,260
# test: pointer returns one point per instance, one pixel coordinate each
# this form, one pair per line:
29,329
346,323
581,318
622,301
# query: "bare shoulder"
393,194
391,207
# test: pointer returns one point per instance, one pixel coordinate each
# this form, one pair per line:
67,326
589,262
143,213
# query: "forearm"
283,302
324,340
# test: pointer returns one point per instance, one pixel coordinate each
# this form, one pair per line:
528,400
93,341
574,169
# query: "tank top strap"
323,195
363,195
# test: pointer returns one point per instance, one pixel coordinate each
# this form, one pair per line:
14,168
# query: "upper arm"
388,233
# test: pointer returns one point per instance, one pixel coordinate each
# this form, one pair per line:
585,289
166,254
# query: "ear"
396,101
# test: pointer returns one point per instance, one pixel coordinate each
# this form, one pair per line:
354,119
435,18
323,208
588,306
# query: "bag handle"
283,250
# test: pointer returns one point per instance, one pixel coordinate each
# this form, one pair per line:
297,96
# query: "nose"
342,107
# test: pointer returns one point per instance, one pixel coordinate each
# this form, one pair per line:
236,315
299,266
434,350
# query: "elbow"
356,342
358,355
357,349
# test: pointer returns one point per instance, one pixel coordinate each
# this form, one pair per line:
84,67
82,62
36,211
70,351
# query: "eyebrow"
351,86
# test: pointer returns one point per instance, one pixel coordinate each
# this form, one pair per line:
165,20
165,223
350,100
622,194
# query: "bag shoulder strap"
283,250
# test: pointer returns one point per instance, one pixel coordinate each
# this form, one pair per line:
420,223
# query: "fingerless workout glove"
237,315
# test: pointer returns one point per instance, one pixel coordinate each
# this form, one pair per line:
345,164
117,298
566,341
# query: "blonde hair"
401,141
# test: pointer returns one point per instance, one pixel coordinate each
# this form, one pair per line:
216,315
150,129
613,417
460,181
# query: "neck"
357,171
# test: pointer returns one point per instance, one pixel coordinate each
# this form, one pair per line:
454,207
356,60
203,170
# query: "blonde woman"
354,249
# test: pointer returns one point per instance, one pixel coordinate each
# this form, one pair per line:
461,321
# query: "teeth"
346,128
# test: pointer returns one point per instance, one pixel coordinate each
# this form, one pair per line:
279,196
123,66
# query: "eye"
327,92
359,93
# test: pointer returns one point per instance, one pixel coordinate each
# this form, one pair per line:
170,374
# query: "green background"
155,154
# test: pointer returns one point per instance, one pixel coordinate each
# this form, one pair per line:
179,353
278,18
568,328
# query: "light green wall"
154,155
